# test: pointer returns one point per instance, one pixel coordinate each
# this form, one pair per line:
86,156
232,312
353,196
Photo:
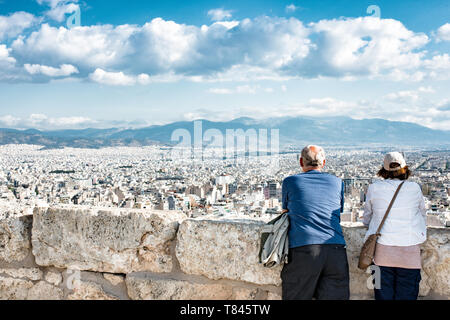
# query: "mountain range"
292,130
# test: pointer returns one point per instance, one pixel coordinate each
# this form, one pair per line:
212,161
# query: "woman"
398,252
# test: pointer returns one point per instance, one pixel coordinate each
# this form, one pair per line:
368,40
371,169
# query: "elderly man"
314,200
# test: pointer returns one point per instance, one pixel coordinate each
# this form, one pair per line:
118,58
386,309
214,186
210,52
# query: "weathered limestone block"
14,289
104,240
45,291
424,289
359,289
33,274
15,238
19,285
86,290
273,296
246,294
436,263
54,278
147,288
224,249
114,279
354,238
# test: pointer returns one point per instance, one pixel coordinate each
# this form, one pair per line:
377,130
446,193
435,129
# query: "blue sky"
417,15
136,63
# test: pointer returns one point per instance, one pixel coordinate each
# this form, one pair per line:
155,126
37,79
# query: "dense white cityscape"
152,178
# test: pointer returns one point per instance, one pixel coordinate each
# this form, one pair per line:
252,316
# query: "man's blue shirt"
315,201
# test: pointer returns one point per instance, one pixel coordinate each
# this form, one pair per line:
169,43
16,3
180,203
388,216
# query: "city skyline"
160,62
154,178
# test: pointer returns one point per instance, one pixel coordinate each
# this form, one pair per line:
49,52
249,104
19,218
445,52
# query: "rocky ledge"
80,253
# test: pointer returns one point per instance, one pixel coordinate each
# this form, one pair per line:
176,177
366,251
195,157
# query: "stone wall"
73,253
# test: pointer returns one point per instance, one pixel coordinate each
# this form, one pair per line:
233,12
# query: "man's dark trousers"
316,271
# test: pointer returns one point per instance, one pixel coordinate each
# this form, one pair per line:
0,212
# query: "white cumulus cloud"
363,47
118,78
409,96
8,70
250,49
59,13
96,46
9,121
54,3
291,8
43,122
219,14
5,57
14,24
63,71
59,8
443,33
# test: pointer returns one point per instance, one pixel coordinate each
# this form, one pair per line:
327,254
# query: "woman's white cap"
394,157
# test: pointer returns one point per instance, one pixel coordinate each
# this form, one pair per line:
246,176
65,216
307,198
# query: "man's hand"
284,211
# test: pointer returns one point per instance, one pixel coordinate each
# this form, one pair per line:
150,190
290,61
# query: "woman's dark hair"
402,173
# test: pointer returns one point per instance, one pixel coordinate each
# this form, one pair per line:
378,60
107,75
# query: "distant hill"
293,130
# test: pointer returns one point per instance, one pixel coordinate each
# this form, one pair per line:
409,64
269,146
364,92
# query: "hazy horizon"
130,126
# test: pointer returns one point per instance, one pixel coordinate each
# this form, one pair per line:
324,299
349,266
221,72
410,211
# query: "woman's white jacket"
406,222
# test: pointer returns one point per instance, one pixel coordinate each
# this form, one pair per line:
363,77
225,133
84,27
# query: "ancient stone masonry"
80,253
104,241
228,250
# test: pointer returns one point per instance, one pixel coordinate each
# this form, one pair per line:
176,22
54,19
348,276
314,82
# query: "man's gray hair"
313,156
